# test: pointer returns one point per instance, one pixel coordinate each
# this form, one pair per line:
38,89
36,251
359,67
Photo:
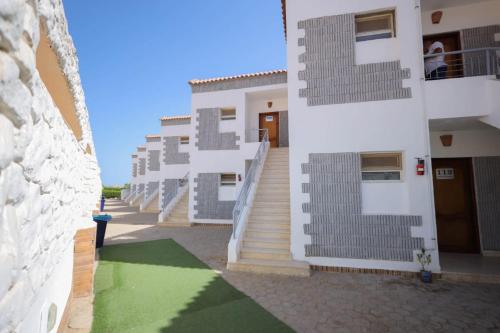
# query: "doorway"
455,203
271,122
451,42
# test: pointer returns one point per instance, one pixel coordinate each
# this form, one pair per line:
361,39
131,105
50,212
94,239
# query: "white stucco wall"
456,18
48,184
467,143
248,103
393,125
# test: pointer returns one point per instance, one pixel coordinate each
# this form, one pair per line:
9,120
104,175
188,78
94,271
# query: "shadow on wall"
158,286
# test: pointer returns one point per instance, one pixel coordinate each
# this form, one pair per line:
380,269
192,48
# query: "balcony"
467,86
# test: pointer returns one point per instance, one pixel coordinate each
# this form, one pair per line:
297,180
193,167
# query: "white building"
49,176
388,154
174,167
139,181
152,174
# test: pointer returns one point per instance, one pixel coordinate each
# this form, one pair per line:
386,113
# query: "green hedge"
111,192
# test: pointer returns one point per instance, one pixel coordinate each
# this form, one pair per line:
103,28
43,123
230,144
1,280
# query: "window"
228,179
227,114
184,140
375,26
381,166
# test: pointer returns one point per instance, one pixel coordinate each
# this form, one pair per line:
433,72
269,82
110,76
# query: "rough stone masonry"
49,178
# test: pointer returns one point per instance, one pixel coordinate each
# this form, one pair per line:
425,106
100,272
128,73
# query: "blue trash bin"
103,201
102,222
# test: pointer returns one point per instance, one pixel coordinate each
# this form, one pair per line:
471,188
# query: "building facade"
374,148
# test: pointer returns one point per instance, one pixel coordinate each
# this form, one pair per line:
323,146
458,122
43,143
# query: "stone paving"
331,302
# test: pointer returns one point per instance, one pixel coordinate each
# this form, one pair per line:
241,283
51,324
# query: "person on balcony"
435,67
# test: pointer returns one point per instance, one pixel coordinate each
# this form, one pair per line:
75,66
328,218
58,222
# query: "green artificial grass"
158,286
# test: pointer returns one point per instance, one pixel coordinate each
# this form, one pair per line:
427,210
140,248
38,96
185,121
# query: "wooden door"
451,42
455,205
271,122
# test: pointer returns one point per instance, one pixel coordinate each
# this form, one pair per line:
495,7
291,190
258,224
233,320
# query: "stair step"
175,225
267,198
283,267
266,243
274,206
268,254
265,217
268,226
260,233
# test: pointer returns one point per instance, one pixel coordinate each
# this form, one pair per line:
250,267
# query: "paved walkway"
331,302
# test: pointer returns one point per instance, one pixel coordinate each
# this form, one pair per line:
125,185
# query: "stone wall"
208,135
338,228
208,205
487,179
49,179
331,73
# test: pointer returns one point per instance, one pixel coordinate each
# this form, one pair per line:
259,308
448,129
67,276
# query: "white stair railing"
149,199
181,187
245,197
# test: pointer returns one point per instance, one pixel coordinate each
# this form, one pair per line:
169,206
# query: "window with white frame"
184,140
377,25
228,179
228,114
382,166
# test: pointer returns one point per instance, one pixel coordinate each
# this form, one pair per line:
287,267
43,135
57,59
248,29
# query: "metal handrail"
180,183
468,63
241,201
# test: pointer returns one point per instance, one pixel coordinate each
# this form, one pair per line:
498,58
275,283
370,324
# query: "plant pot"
446,140
436,17
426,276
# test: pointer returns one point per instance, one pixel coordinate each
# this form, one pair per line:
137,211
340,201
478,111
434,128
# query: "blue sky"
137,56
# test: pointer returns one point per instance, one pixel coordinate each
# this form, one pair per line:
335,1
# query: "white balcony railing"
463,63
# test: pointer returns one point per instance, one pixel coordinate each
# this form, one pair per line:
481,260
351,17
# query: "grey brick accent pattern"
283,130
331,72
134,170
133,188
141,188
206,198
142,166
474,38
240,83
338,228
153,160
175,122
208,136
169,191
171,153
487,180
151,188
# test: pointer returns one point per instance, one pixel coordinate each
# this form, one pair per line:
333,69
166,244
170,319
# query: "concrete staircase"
266,243
179,215
152,207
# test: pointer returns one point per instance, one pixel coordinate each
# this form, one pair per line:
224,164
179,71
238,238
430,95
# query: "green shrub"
111,192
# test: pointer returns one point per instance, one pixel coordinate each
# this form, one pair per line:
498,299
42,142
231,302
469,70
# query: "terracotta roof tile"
283,14
236,77
176,117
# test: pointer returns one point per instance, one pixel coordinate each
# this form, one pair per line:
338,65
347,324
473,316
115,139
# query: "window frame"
391,14
399,168
227,117
227,183
184,140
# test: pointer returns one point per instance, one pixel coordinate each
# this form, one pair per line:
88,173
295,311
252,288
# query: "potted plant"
424,258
